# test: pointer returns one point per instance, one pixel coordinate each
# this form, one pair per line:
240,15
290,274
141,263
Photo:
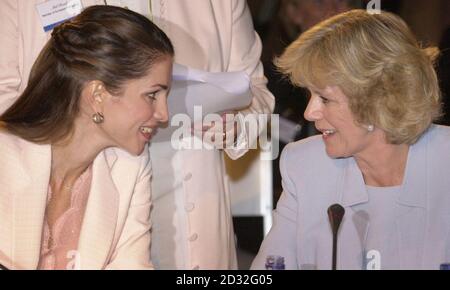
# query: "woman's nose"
162,113
313,111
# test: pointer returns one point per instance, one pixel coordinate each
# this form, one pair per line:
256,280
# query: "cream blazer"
115,230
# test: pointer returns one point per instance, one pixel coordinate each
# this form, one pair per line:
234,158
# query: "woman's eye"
152,96
324,100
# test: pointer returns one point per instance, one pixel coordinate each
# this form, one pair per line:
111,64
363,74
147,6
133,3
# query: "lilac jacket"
312,182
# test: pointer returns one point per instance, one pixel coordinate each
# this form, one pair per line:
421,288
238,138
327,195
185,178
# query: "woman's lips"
327,133
146,132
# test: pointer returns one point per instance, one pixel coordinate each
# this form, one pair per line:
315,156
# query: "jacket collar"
100,217
411,201
30,200
413,191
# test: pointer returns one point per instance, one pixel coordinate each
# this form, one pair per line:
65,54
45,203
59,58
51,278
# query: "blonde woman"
374,96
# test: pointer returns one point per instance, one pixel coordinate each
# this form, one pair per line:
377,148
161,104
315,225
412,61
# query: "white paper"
214,92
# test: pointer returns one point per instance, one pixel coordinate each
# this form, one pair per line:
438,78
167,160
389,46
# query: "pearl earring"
98,118
370,128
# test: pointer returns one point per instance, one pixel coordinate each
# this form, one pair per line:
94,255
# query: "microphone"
335,214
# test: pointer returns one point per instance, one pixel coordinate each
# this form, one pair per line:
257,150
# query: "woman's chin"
138,152
135,151
334,154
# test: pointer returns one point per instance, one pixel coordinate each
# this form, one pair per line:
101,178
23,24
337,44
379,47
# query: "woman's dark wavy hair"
104,43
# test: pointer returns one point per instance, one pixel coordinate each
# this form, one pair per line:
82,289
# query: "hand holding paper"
212,92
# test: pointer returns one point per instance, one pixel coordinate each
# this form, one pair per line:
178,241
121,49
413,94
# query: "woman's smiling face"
329,110
132,118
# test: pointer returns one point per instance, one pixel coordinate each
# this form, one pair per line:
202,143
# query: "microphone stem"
334,251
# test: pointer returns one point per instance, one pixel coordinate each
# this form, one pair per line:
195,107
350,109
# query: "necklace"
67,187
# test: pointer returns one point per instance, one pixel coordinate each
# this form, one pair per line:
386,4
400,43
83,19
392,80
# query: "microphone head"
335,214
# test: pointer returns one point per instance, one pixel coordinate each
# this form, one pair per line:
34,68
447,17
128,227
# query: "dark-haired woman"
74,168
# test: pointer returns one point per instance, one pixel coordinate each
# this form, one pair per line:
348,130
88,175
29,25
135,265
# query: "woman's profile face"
132,118
329,110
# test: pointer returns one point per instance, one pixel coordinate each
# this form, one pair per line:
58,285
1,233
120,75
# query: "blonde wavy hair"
377,62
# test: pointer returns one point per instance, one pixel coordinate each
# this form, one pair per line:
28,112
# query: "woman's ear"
94,94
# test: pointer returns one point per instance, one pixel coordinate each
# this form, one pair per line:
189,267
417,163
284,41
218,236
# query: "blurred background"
278,23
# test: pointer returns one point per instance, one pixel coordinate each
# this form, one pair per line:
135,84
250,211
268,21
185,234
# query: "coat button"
189,207
188,177
193,238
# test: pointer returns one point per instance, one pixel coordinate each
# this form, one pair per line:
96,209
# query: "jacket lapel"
412,217
410,220
99,223
355,225
29,202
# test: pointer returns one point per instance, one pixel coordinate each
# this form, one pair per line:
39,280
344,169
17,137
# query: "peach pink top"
59,244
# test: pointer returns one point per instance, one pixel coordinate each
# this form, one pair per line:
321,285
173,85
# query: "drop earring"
98,118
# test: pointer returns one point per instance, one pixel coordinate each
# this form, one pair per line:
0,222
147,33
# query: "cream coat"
192,217
115,230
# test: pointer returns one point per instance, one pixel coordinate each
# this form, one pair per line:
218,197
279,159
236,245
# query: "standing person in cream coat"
74,165
192,218
192,225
